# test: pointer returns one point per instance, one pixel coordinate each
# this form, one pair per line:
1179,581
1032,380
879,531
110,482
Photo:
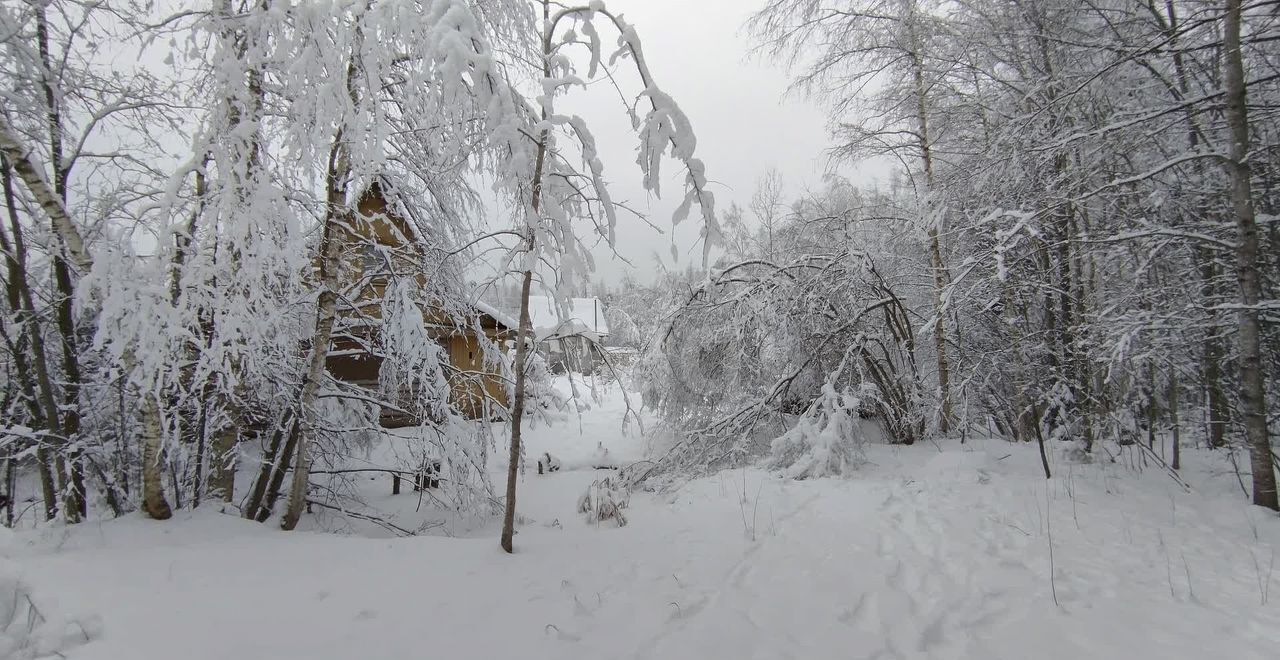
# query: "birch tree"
559,194
1252,388
72,135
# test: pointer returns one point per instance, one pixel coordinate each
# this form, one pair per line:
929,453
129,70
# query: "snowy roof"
498,315
585,315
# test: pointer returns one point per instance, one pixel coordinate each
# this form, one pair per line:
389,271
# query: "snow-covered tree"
555,194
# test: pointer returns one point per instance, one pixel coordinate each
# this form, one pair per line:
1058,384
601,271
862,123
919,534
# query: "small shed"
566,334
379,242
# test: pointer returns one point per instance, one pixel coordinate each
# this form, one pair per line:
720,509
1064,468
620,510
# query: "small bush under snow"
605,499
826,441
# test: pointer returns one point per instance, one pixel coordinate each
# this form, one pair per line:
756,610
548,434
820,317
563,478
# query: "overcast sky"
699,52
746,123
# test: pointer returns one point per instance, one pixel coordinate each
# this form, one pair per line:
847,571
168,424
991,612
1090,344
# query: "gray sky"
699,53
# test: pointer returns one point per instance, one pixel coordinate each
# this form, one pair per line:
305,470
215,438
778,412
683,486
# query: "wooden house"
380,244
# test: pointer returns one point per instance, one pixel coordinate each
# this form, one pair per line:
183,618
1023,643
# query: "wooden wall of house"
467,391
361,369
470,389
349,363
377,223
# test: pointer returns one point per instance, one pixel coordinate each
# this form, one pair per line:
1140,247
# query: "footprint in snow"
366,615
688,609
553,630
858,612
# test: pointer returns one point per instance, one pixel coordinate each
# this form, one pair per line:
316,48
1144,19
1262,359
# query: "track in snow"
920,555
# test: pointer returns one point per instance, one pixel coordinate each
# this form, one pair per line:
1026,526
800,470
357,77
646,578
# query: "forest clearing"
965,552
639,328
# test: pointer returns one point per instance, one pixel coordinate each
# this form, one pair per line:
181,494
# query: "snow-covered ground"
963,552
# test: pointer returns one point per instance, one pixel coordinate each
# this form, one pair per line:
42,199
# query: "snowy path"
901,568
923,555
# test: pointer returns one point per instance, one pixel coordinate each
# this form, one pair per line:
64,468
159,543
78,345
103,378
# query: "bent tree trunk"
338,172
326,311
337,177
328,305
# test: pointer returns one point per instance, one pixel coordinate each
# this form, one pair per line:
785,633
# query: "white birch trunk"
154,503
1252,387
44,194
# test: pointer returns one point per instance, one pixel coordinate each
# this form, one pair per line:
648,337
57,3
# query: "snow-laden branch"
664,126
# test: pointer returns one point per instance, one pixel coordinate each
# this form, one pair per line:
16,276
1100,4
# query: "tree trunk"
1153,408
222,463
201,440
1173,418
18,294
1212,353
266,471
337,177
940,332
932,216
1044,454
279,468
75,494
1212,356
248,144
55,481
517,407
525,331
1252,386
9,492
153,500
194,430
326,311
52,199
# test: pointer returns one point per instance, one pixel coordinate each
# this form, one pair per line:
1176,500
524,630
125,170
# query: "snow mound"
30,626
826,441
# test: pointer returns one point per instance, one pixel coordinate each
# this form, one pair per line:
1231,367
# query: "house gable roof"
381,215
